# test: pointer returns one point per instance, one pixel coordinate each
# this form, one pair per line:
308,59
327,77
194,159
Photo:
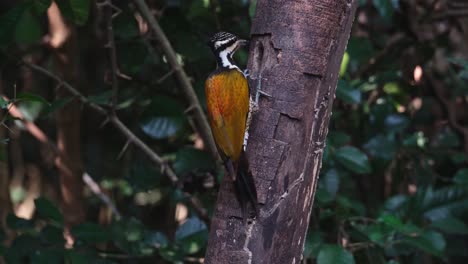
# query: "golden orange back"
227,97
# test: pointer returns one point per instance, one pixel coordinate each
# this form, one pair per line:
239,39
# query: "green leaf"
47,256
102,98
194,243
91,232
349,203
79,257
163,127
333,254
76,10
313,243
397,224
198,9
56,105
331,181
415,140
48,210
459,62
443,202
322,196
27,29
134,56
396,123
41,6
172,254
18,223
156,239
451,225
382,147
347,93
192,235
9,21
22,247
28,97
164,118
360,50
376,233
430,241
459,158
392,88
52,235
353,159
385,9
142,177
190,159
461,177
338,139
447,138
191,226
344,64
3,103
125,26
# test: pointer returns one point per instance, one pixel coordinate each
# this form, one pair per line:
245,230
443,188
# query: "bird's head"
224,45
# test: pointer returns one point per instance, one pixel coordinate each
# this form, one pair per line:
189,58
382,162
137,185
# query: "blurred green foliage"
394,183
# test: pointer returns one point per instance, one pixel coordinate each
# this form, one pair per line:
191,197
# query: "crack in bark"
283,196
323,104
248,236
313,75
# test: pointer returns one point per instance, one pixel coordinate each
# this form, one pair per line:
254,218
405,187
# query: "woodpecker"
228,102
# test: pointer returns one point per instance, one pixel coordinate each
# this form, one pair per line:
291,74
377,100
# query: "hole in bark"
259,51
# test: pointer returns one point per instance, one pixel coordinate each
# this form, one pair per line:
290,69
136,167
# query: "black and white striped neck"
224,59
224,45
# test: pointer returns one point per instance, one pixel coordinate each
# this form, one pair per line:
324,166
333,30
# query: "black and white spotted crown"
221,40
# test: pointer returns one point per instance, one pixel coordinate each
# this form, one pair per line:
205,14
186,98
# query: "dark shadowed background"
86,88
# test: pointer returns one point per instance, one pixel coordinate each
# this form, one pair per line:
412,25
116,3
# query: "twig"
36,132
96,189
131,137
112,119
165,76
187,89
107,6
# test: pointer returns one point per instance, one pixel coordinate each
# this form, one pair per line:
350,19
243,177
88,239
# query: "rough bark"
296,50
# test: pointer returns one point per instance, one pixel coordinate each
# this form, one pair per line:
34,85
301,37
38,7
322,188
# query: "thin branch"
37,133
112,119
131,137
96,189
110,45
187,89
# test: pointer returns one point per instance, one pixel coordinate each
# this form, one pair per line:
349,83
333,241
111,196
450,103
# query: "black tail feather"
245,187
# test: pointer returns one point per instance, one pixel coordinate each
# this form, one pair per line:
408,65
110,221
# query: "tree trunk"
296,51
